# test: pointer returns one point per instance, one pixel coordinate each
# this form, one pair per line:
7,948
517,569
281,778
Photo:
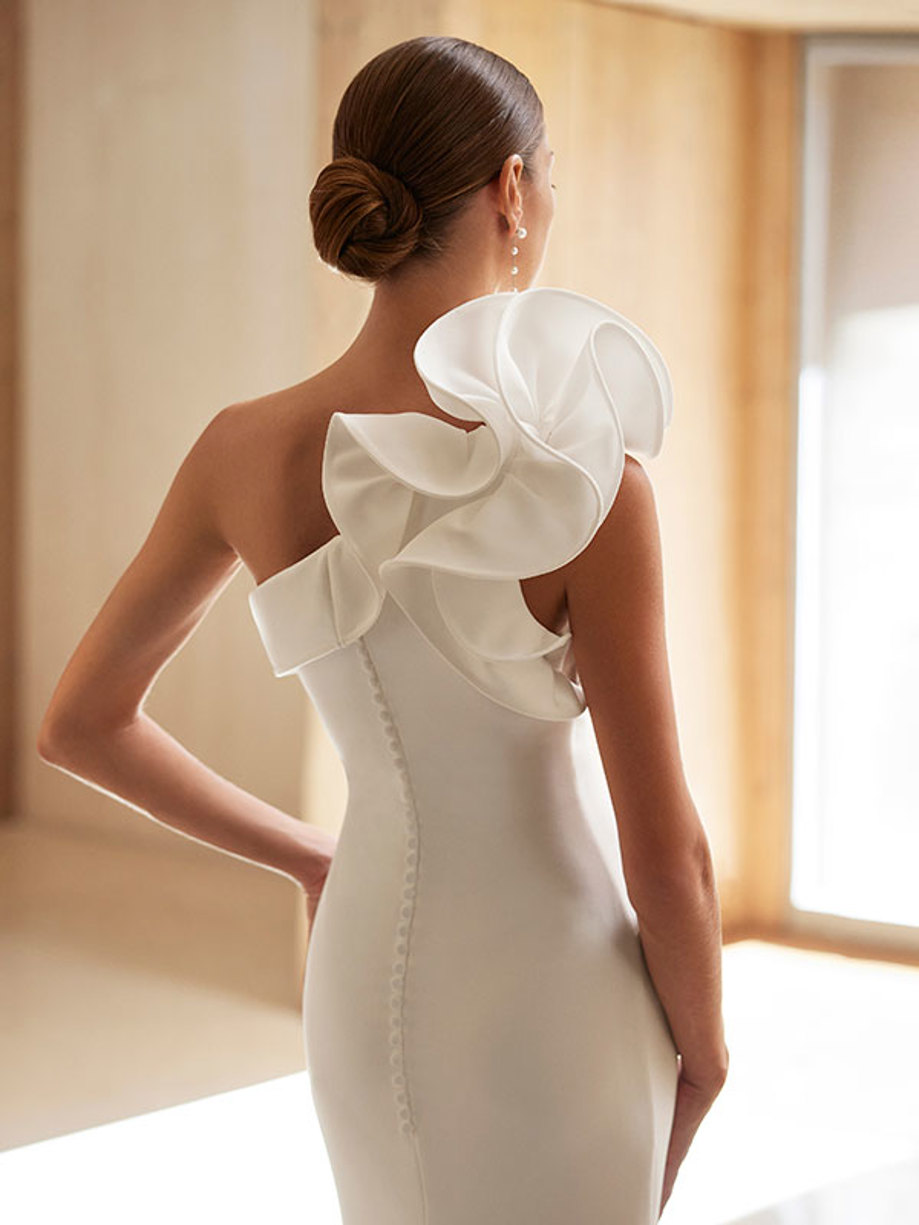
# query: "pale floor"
186,1101
134,977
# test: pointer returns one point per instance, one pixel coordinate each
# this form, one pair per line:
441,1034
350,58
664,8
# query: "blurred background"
741,178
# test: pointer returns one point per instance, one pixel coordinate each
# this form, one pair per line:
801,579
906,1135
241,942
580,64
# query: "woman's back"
272,504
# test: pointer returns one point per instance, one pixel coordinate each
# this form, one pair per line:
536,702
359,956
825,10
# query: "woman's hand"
312,905
693,1102
317,861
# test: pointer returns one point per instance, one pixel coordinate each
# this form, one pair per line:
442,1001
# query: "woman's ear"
509,193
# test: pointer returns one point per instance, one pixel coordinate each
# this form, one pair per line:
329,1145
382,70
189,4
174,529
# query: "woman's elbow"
683,871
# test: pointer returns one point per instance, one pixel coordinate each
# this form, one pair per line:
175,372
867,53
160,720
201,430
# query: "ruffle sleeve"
447,521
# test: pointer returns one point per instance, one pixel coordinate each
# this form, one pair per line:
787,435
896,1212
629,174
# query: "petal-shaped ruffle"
447,521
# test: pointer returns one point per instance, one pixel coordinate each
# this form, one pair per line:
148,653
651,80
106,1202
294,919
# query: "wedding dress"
483,1040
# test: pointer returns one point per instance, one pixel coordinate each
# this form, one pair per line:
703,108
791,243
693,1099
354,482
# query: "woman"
504,1021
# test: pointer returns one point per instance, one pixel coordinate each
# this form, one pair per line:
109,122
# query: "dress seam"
402,1095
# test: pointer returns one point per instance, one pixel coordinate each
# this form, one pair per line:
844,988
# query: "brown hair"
422,126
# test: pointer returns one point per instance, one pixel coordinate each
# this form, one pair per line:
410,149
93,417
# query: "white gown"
484,1042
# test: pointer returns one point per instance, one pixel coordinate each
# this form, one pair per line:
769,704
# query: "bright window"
855,830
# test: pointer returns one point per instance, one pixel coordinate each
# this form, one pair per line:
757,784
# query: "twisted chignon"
365,219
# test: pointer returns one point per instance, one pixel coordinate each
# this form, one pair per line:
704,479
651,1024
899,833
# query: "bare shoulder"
252,436
226,437
265,457
269,422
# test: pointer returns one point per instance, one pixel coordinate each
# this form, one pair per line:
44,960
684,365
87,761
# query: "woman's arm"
614,592
95,727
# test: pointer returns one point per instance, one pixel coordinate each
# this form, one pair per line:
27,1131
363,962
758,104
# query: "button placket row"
399,965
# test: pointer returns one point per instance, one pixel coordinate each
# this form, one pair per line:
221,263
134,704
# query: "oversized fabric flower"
446,521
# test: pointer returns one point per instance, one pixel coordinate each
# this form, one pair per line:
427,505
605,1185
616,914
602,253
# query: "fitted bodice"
391,684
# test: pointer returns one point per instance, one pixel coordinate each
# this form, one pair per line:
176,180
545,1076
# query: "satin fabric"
483,1039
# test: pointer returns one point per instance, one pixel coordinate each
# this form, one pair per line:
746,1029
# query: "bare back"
271,503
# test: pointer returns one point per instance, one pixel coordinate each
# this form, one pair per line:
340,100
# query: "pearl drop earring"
520,233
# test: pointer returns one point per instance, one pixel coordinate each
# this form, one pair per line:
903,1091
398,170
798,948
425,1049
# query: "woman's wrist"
315,859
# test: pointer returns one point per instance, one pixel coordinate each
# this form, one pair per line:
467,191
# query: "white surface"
822,1090
885,1197
822,1084
253,1154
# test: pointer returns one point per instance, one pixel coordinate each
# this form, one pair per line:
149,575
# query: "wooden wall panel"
10,224
765,508
655,226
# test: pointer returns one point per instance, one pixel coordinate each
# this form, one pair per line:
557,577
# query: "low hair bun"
420,130
365,220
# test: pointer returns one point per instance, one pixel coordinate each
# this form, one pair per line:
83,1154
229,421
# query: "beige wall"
164,273
168,271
